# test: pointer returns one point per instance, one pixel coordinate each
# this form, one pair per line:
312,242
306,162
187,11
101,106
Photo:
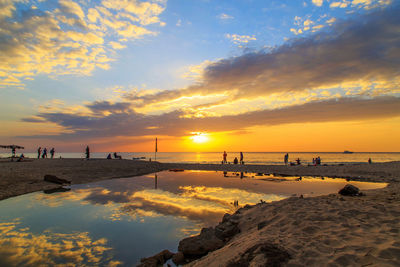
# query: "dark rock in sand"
349,190
156,260
54,179
178,258
225,231
234,218
197,246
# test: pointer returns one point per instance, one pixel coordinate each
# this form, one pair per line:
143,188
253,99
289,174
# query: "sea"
267,158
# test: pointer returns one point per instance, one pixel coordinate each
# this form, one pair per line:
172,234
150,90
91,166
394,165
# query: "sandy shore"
320,231
17,178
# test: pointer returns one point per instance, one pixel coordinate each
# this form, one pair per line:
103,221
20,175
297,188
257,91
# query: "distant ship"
348,152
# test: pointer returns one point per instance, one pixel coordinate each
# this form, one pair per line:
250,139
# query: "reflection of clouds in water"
132,214
20,247
226,196
196,203
57,199
167,203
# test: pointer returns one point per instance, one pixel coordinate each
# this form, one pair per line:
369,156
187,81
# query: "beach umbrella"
12,147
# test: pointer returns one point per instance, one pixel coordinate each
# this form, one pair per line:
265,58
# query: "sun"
199,138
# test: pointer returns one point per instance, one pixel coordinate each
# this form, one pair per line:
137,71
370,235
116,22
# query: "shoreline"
325,230
17,178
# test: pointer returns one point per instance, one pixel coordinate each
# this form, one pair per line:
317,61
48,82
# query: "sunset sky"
200,75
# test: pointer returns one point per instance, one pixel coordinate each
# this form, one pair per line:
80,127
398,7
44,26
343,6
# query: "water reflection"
126,219
19,246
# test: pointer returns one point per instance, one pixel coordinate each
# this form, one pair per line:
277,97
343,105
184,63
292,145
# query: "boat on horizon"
348,152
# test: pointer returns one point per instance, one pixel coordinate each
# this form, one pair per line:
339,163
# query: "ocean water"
269,158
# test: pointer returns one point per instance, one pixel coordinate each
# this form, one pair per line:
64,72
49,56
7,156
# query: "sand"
328,230
17,178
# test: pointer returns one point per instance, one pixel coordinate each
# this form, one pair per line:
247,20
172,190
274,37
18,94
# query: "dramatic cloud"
359,57
129,123
366,49
69,38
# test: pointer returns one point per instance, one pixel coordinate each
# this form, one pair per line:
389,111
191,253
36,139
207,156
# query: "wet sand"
318,231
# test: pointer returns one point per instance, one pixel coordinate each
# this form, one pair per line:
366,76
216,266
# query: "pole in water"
155,153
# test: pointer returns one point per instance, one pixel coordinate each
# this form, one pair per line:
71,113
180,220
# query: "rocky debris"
265,254
156,260
54,179
197,246
349,190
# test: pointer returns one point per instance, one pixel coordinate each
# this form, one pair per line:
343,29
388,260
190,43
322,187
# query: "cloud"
360,4
360,58
175,124
240,39
224,16
338,4
318,2
68,38
366,48
195,72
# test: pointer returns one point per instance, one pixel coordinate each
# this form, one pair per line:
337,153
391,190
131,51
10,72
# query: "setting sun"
199,137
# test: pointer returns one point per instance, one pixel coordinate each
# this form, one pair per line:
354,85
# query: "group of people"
116,156
315,161
43,153
235,161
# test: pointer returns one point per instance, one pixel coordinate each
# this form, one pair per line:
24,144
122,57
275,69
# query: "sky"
200,75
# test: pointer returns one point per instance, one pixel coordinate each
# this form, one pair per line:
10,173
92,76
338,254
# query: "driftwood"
54,179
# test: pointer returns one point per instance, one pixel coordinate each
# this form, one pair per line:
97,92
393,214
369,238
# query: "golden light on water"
199,137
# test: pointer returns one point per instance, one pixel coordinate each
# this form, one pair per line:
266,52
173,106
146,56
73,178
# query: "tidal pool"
117,222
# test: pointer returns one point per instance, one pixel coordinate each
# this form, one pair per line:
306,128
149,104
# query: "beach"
330,230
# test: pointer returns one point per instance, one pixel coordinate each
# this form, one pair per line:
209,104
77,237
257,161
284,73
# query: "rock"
197,246
225,231
226,217
349,190
178,258
157,259
54,179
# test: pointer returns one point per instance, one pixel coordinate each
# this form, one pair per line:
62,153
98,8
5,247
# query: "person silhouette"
87,152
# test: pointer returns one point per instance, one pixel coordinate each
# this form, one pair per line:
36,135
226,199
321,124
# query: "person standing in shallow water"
87,152
224,155
39,151
286,158
241,158
52,152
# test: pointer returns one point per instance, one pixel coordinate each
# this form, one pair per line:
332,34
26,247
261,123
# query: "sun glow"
199,138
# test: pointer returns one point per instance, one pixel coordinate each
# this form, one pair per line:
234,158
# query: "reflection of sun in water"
199,138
